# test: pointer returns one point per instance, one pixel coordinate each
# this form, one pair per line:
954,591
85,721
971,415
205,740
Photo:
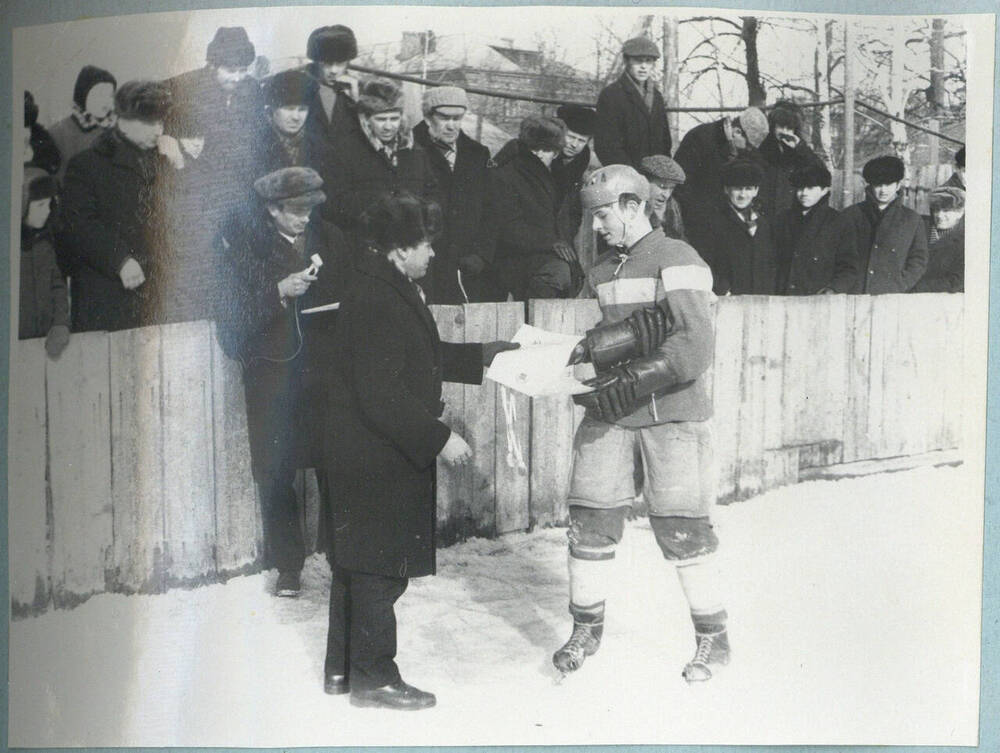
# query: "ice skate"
712,651
585,640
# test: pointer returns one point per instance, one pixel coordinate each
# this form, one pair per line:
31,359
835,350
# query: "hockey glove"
619,392
634,337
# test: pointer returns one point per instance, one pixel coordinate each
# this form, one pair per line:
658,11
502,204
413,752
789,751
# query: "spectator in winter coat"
111,227
631,115
270,279
946,255
39,148
532,261
884,244
702,153
784,150
740,242
664,175
568,169
379,157
957,179
459,163
332,112
43,309
93,112
807,234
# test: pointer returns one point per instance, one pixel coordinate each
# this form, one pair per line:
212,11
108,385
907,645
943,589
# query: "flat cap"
755,125
444,96
640,47
300,186
947,197
578,119
662,167
332,44
880,171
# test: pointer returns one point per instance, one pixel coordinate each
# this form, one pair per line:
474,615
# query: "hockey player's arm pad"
637,336
618,392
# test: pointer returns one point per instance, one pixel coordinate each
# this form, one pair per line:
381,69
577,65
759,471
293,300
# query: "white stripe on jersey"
627,291
687,277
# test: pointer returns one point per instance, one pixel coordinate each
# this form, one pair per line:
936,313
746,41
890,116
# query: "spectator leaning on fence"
957,179
946,255
93,112
332,111
631,115
807,234
110,224
884,243
465,244
43,305
651,352
784,150
664,175
384,436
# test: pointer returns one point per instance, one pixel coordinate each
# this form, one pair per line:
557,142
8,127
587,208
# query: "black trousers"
281,515
361,642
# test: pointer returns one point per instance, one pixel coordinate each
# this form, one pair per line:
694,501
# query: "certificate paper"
538,367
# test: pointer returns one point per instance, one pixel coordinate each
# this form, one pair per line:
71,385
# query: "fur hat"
785,114
640,47
960,158
379,95
298,186
37,184
754,124
290,88
332,44
399,220
30,110
89,77
662,167
810,175
882,170
230,47
444,96
581,120
947,197
542,134
148,101
741,172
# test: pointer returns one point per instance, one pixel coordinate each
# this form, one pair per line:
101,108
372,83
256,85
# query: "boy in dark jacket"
784,151
946,263
631,115
43,309
807,235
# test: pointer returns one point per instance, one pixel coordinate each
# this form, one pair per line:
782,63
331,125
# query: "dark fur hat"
89,77
581,120
230,47
290,88
543,134
300,186
30,110
810,175
379,95
332,44
742,172
148,101
399,220
785,114
37,184
882,170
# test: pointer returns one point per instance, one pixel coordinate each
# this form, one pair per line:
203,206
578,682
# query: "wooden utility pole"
848,189
936,88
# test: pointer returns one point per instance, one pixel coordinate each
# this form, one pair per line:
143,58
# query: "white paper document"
538,367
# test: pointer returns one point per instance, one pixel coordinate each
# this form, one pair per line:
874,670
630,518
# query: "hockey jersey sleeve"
691,345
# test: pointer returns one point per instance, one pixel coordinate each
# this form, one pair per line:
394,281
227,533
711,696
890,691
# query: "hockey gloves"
619,391
637,336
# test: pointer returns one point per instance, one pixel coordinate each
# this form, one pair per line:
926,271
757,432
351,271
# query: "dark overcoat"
523,198
946,263
109,213
468,225
742,264
344,119
881,252
806,247
626,130
776,192
384,431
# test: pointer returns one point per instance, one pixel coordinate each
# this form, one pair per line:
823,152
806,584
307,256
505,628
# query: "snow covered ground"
854,618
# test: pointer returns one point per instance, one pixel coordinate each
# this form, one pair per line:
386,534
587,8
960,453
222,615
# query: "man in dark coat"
110,224
946,263
333,113
531,261
384,436
465,244
784,151
631,115
270,281
807,235
379,157
884,247
568,169
702,153
739,246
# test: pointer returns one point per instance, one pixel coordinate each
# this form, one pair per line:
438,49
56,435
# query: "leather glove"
491,349
637,336
618,392
472,264
56,340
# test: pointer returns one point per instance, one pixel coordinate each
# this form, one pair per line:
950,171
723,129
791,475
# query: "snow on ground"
854,611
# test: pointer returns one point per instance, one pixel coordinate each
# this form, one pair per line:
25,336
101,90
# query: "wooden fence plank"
885,319
454,494
513,438
774,372
188,471
77,388
857,443
726,369
27,498
481,424
753,395
137,460
238,529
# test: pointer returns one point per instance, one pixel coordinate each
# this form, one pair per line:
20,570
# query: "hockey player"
650,351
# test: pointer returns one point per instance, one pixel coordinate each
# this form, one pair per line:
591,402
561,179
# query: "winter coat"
284,352
742,264
344,120
384,428
806,247
524,201
945,271
110,214
467,216
626,130
776,192
880,252
43,301
314,151
71,139
567,174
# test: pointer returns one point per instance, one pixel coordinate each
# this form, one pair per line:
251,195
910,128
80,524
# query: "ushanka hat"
399,220
231,48
542,134
298,186
332,44
883,170
810,175
581,120
290,88
148,101
379,95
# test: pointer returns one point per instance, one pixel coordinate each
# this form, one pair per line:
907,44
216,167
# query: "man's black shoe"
398,695
289,584
336,684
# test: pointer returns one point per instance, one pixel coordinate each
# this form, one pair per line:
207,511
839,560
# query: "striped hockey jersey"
658,268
